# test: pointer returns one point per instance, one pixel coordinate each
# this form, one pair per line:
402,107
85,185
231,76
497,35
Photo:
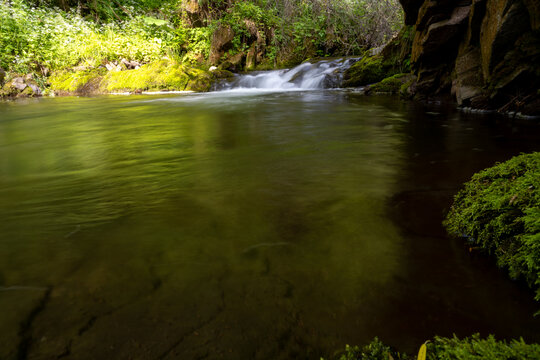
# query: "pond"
244,225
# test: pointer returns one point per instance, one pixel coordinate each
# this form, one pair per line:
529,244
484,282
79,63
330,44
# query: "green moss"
8,90
405,89
160,75
391,84
499,211
440,348
72,82
367,71
27,92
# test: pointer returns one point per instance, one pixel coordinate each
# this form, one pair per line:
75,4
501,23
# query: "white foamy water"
307,76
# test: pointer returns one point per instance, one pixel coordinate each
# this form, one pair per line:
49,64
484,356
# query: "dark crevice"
26,326
87,326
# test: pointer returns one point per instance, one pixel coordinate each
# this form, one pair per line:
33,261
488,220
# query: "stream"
269,220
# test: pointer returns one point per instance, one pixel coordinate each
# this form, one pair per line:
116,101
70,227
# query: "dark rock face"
486,53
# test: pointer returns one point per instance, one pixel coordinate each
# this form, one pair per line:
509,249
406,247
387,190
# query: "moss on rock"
73,82
499,211
392,84
367,71
158,76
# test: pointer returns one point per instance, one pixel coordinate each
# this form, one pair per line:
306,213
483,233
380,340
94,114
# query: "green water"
242,226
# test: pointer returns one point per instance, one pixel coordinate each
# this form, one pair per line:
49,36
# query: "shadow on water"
252,224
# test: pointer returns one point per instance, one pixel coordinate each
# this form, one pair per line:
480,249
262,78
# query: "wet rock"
2,76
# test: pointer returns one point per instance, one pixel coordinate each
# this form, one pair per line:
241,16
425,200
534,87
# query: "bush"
33,39
499,210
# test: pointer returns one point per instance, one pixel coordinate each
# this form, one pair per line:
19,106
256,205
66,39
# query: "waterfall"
307,76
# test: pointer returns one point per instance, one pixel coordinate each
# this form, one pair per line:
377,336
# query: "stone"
251,57
221,42
411,8
505,21
2,76
18,83
468,81
440,38
483,52
35,89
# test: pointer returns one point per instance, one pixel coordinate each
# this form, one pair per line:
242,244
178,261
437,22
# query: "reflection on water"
234,225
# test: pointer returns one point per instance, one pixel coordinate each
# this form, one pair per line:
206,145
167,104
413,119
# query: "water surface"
243,224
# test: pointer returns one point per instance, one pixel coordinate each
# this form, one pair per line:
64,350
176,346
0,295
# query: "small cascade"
324,74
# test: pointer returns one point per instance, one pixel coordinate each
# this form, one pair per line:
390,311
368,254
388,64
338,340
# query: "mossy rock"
392,84
368,70
499,212
158,76
8,90
27,92
67,82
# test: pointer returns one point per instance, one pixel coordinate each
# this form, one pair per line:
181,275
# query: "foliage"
499,210
375,350
441,348
105,10
192,43
475,348
33,39
41,36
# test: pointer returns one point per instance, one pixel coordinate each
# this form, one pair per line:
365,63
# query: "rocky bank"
483,53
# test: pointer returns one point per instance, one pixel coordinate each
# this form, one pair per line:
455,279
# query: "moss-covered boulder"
164,75
83,82
499,212
367,71
392,84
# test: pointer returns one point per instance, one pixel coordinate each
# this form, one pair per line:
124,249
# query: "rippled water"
260,225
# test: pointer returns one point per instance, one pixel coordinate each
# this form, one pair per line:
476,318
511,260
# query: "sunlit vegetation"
498,211
42,36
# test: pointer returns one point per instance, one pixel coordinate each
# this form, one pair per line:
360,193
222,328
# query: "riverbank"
164,75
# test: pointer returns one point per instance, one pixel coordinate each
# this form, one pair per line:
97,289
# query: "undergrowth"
442,348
